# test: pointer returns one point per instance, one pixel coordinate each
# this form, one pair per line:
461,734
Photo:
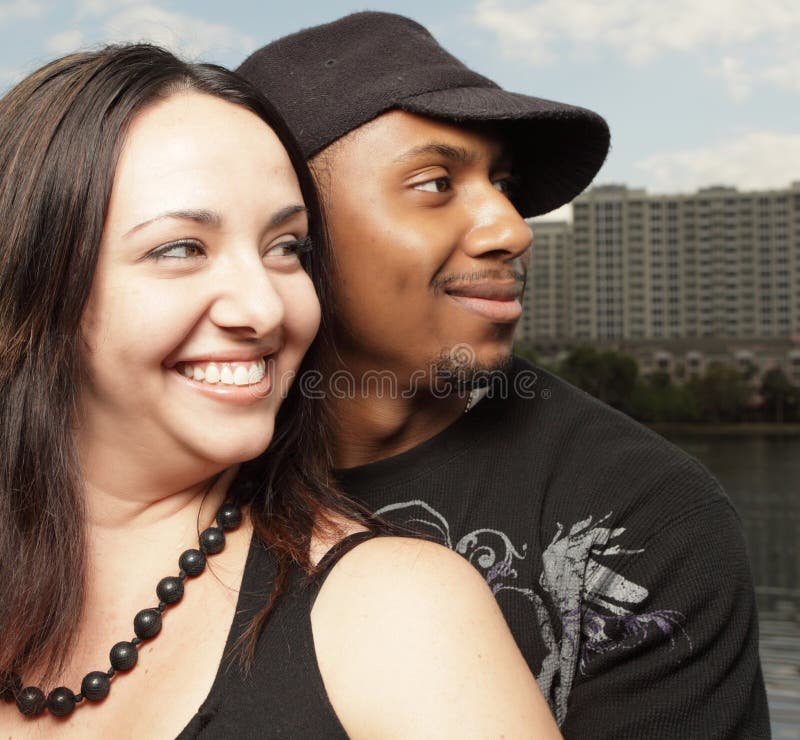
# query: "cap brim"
557,148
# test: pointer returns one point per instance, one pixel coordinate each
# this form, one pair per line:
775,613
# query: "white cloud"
64,42
737,78
20,10
786,74
755,160
639,31
186,35
100,7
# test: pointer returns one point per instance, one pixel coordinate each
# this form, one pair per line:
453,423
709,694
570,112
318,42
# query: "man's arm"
685,663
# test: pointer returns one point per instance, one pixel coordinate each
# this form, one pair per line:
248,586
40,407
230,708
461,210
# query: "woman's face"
200,311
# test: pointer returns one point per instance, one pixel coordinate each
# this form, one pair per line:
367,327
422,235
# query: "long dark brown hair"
61,131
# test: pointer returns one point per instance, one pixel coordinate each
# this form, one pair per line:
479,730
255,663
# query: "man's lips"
509,290
495,301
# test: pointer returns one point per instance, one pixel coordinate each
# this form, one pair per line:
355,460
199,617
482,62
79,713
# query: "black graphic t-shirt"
617,559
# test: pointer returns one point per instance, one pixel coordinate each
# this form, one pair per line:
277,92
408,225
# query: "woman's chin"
235,449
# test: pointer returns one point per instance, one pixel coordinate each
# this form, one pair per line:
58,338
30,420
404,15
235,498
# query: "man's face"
430,253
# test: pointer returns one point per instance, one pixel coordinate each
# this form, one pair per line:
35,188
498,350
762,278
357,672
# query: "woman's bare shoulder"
411,642
329,533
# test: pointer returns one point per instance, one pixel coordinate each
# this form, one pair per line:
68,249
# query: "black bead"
95,686
212,540
10,685
31,701
192,562
147,623
229,516
123,656
170,590
61,701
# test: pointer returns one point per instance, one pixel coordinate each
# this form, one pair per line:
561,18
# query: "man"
617,560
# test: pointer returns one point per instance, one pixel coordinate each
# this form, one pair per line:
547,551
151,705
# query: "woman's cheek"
304,312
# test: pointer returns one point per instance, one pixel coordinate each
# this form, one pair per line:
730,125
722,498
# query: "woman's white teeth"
226,373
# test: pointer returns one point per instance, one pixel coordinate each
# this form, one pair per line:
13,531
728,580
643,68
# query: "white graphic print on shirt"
594,604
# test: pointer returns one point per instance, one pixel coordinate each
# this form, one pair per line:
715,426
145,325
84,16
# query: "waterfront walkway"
780,658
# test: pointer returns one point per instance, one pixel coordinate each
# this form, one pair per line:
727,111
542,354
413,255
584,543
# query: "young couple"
164,268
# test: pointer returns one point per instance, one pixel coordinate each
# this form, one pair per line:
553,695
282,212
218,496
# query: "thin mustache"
440,284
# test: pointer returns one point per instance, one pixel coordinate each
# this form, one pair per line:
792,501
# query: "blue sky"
697,92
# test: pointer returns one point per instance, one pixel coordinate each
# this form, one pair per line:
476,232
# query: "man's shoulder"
552,411
582,441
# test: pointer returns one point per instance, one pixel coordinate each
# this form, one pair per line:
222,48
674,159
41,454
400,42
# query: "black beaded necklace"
95,686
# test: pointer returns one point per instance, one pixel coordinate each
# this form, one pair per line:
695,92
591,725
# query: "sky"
696,92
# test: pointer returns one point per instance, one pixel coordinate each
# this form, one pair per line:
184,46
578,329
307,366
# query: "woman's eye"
293,248
438,185
178,250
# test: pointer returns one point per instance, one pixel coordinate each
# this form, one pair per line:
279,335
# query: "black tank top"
283,696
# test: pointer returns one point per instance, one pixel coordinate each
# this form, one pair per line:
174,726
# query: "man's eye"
177,250
506,185
438,185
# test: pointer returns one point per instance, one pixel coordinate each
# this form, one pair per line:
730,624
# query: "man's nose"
495,227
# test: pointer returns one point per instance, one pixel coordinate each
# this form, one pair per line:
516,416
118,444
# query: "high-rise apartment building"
716,263
546,303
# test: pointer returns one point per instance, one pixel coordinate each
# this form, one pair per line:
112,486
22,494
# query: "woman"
153,308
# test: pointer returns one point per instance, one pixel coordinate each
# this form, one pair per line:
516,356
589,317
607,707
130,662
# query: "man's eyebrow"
212,218
457,154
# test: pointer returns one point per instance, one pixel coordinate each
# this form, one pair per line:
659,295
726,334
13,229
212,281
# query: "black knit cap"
330,79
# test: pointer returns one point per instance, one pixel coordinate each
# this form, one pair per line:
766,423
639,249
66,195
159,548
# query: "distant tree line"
722,394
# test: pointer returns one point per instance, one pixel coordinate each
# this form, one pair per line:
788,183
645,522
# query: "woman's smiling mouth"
240,382
225,373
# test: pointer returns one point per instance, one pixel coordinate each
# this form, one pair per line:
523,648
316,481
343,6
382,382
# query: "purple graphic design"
594,603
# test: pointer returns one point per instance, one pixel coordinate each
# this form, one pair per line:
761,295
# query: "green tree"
527,352
720,395
780,397
609,376
657,399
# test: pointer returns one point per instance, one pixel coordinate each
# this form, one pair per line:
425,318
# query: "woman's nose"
246,300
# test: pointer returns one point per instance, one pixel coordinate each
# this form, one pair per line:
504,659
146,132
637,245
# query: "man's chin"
461,367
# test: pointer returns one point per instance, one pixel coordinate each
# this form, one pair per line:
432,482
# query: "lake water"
762,476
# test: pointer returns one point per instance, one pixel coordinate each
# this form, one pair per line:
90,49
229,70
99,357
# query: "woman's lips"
495,301
250,388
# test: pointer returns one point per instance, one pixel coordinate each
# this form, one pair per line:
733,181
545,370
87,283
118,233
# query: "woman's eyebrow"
209,218
212,218
284,214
